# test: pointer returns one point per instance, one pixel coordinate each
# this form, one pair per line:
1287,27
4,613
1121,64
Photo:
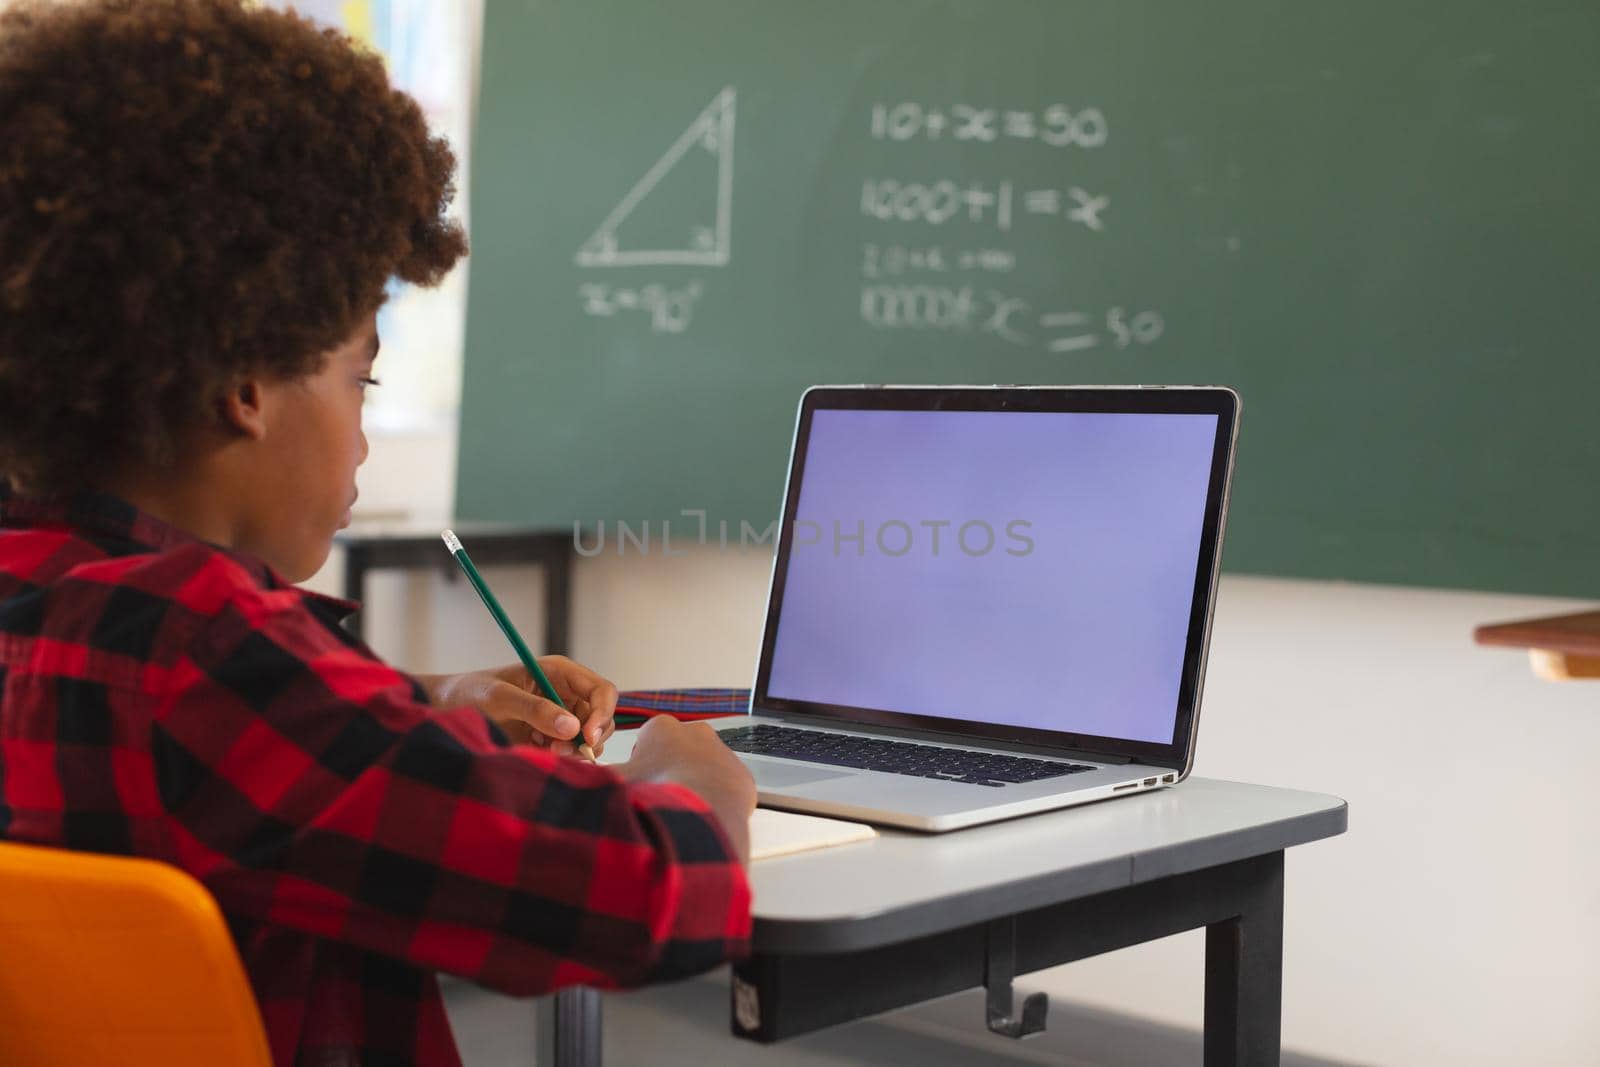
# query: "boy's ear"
243,408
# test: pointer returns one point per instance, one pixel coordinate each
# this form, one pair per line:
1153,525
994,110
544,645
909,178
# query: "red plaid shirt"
162,697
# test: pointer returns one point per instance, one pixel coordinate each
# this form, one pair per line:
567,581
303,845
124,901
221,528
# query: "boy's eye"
368,381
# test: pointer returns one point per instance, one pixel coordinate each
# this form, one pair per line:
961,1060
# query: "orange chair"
108,960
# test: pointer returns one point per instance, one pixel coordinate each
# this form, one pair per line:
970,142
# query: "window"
431,48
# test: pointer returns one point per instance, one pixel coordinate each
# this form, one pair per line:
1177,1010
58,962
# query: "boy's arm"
308,787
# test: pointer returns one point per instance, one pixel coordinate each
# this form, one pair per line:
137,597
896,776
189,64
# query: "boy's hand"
510,698
693,755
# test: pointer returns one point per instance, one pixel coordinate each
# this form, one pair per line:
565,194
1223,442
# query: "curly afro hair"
190,191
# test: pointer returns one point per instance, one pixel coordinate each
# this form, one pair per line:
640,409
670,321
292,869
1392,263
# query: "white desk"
851,931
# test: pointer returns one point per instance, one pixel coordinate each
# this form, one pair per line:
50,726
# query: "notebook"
781,833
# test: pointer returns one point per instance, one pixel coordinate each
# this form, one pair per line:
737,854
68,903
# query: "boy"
200,205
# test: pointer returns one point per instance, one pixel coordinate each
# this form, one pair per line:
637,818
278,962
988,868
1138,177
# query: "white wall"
1455,923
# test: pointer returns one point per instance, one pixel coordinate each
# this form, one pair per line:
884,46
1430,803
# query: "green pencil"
453,543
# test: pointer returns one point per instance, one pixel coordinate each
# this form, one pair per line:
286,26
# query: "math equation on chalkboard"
941,253
943,247
656,225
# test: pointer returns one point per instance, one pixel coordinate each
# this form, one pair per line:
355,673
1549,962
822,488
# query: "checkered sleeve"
307,786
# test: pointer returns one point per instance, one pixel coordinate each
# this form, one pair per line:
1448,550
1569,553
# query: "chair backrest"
109,960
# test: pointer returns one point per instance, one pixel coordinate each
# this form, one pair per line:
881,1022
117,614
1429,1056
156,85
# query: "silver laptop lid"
1029,565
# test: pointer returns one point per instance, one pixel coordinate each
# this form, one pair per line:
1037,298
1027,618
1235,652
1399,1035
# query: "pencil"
453,543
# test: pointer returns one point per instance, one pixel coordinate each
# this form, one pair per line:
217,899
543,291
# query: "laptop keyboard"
895,757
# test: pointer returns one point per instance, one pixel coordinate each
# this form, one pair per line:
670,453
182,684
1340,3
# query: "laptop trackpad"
777,775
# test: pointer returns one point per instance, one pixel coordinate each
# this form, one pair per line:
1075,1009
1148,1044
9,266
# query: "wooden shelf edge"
1561,666
1575,635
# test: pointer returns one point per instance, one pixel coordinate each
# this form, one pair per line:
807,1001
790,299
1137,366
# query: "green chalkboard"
1377,221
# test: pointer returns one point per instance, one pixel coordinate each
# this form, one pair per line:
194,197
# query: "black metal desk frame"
367,551
792,992
1240,904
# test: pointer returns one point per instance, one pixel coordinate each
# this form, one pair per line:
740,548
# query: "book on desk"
781,833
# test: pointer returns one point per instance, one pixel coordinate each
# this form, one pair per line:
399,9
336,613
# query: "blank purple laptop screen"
1031,569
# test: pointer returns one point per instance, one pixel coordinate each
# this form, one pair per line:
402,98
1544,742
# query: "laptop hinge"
914,733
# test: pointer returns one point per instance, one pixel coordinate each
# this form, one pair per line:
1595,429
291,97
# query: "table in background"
1561,647
417,546
852,931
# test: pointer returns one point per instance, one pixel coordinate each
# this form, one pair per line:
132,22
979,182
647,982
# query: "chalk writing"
1079,206
919,307
669,309
939,202
878,261
936,203
940,285
1141,328
1057,125
1010,318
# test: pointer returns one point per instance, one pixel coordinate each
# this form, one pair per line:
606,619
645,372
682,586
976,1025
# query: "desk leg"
356,565
1244,976
558,600
567,1029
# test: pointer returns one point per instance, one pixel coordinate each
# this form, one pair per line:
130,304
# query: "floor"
686,1025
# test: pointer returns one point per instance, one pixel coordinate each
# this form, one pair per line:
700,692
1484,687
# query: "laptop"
988,601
